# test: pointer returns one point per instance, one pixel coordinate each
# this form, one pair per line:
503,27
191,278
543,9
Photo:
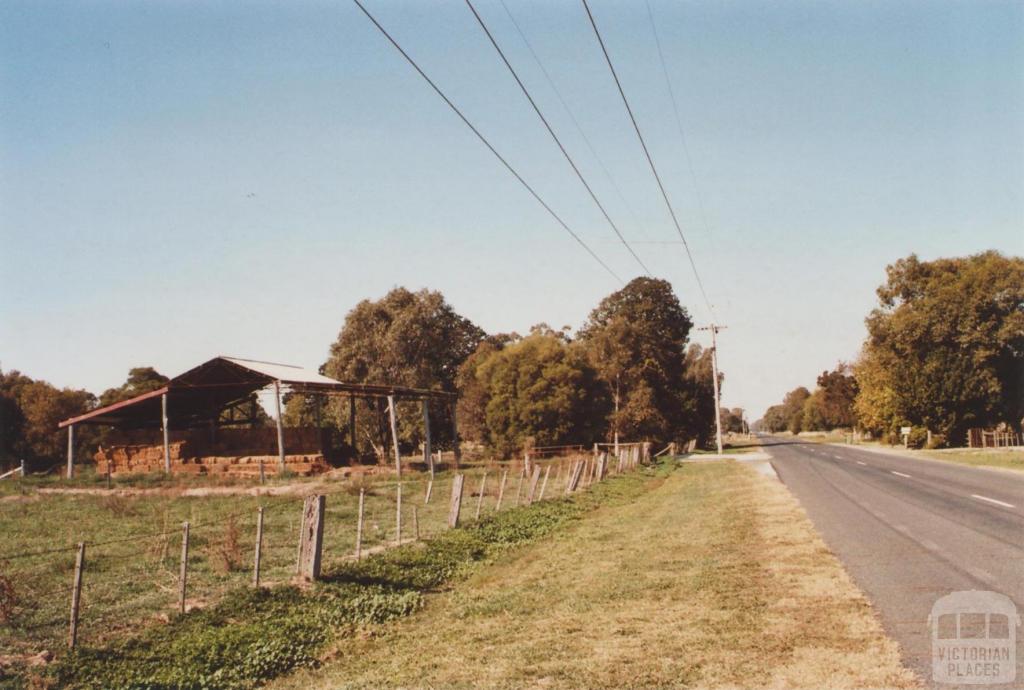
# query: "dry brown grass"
714,579
226,553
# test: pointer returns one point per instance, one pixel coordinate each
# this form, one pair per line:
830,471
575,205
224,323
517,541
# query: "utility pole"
714,328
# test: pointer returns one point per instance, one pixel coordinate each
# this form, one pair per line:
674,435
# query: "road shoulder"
714,579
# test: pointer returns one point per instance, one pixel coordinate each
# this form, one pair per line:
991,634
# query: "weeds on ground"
226,554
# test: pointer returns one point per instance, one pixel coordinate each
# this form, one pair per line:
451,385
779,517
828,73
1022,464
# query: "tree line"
630,370
944,353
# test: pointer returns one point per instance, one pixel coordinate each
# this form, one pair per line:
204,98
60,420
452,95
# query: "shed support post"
455,437
163,426
71,450
352,421
428,454
394,434
318,414
280,426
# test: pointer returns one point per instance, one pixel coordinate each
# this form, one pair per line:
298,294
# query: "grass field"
251,635
133,544
990,457
712,578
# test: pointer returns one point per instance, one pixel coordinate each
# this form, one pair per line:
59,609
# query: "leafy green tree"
636,339
140,380
540,390
875,406
838,392
945,346
775,419
813,415
473,392
32,410
405,338
698,396
793,408
732,420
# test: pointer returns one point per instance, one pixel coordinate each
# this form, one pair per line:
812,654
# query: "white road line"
862,463
930,545
992,500
837,457
900,474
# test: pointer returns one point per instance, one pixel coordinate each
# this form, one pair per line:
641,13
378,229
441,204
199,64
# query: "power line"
650,161
554,136
679,121
483,139
572,118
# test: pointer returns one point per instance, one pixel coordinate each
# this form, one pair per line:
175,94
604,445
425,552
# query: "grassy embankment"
714,578
981,457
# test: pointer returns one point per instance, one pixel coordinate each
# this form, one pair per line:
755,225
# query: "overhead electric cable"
650,161
547,125
572,117
483,139
679,121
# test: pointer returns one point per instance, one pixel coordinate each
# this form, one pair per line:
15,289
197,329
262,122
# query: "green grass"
133,546
732,445
713,577
239,636
988,457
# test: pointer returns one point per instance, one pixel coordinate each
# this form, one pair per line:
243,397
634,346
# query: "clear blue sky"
185,179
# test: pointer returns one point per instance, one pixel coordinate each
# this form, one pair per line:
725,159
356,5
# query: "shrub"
227,552
918,437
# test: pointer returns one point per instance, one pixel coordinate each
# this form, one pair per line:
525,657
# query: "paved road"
910,531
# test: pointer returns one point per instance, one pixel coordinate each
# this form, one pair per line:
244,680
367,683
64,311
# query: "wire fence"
132,566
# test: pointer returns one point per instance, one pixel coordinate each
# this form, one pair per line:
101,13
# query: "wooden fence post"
534,478
76,595
183,570
359,527
392,414
519,488
501,491
312,537
430,486
543,486
455,506
163,423
259,548
263,476
280,427
71,451
480,497
398,514
575,476
456,450
428,454
415,524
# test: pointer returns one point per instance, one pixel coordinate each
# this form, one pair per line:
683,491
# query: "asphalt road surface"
910,531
